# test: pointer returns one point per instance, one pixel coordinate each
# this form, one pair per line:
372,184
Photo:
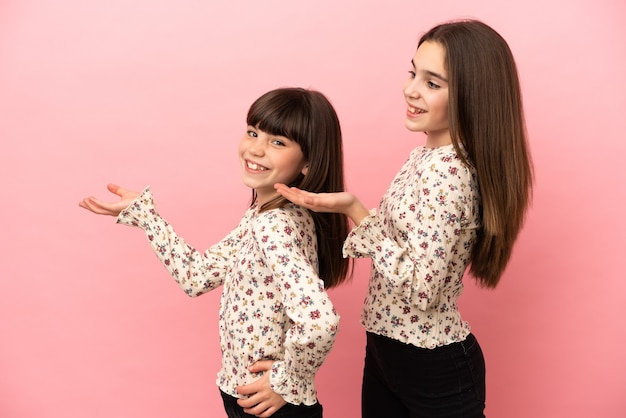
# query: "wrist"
357,212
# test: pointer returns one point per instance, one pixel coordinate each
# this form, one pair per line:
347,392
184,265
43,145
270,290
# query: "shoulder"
288,217
445,163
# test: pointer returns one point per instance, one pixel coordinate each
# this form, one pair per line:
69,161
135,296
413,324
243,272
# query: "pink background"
155,92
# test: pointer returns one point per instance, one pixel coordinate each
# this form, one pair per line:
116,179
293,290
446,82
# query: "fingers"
260,412
295,195
285,191
110,208
261,366
281,186
261,400
118,190
113,187
102,208
88,203
249,389
267,407
262,405
250,401
259,385
94,205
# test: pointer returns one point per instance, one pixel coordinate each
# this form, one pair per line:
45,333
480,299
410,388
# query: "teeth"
253,166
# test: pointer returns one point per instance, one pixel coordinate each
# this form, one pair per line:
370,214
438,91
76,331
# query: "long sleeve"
195,272
420,242
430,221
273,305
290,252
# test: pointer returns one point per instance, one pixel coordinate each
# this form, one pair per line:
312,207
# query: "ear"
305,170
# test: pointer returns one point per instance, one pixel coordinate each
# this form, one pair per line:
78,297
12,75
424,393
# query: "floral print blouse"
273,304
420,241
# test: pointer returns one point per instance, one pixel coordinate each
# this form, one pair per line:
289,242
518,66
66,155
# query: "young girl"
458,201
274,266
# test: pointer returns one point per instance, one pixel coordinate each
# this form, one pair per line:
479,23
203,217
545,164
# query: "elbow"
331,327
334,325
194,289
193,292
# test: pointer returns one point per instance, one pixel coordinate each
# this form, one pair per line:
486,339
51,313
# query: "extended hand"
262,401
109,208
339,202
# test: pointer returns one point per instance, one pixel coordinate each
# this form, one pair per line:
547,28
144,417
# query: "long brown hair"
309,119
487,122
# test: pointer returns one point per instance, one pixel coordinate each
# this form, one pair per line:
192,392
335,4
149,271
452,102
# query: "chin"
412,126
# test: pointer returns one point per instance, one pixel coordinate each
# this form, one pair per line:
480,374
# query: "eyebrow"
430,73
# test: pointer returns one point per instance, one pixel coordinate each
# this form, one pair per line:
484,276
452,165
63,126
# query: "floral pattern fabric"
420,241
273,304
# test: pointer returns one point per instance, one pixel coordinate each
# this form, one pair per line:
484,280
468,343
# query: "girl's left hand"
262,401
338,202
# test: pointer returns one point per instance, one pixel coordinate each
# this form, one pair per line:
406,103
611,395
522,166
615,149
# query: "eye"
432,85
412,74
252,133
277,142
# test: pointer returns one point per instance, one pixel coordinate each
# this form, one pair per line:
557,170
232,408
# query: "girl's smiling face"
269,159
426,94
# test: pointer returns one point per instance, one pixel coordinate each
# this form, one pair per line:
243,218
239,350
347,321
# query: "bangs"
286,114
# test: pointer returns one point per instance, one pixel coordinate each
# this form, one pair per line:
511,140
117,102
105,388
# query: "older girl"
457,203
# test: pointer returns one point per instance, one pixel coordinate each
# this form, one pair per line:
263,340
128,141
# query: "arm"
420,241
314,321
195,272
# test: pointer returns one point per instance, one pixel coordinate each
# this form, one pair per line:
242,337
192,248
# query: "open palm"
109,208
338,202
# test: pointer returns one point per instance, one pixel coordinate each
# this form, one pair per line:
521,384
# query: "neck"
438,139
262,200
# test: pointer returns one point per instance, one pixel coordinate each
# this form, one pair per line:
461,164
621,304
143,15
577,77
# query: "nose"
410,88
256,147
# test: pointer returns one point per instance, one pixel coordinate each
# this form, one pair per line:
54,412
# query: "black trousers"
404,381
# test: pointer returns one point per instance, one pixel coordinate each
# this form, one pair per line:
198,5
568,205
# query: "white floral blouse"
273,304
420,241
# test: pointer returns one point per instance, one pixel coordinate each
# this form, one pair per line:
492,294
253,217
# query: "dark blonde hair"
487,122
307,118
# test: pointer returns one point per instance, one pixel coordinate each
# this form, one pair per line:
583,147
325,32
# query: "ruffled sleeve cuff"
295,391
139,211
365,238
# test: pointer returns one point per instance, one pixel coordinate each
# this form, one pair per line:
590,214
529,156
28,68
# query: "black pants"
233,410
404,381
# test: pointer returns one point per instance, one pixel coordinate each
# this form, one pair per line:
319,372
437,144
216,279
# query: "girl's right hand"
110,208
339,202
